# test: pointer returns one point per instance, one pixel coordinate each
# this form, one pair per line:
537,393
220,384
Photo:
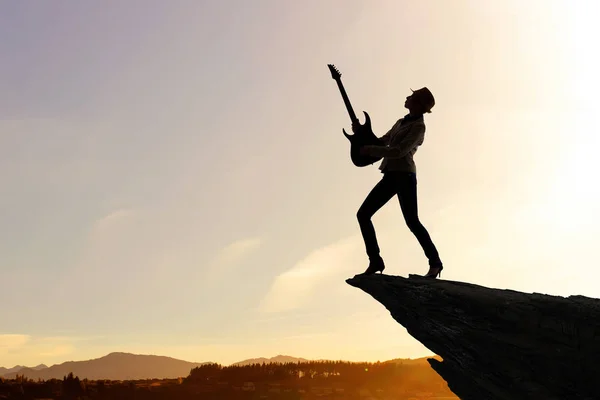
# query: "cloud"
232,254
111,220
30,350
295,287
111,244
235,251
60,339
322,272
12,342
56,351
108,235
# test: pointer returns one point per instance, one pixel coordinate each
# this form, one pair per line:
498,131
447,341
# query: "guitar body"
364,135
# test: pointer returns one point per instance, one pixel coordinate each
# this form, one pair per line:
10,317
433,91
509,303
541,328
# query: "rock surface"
498,344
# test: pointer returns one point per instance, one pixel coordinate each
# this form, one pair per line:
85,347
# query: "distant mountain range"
114,366
17,368
127,366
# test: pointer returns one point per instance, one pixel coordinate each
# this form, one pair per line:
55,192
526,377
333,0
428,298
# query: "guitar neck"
346,101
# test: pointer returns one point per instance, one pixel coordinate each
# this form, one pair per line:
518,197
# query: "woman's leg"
383,191
407,195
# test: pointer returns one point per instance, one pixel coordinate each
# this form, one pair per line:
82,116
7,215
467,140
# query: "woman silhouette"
399,179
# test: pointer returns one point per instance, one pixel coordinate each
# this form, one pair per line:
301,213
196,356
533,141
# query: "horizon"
176,180
211,361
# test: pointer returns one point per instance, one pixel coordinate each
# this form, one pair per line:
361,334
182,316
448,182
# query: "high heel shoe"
375,265
436,274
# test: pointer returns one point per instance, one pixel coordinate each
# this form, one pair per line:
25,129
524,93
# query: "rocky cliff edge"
498,344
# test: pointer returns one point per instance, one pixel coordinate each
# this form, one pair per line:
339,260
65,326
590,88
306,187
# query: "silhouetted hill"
58,370
10,370
17,368
497,344
277,359
114,366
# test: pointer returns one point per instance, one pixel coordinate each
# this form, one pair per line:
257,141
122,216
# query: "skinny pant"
403,185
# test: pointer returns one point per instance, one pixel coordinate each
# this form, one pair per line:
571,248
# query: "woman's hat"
425,98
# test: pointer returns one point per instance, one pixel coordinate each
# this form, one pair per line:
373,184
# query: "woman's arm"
386,138
412,139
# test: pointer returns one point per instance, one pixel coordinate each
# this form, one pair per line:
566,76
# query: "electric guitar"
364,135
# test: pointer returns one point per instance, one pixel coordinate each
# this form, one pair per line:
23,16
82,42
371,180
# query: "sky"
175,180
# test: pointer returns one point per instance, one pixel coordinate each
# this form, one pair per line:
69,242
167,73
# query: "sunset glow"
175,180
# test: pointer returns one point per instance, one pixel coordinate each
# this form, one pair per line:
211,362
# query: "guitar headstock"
335,74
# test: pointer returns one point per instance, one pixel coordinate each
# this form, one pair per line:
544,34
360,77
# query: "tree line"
215,381
348,373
